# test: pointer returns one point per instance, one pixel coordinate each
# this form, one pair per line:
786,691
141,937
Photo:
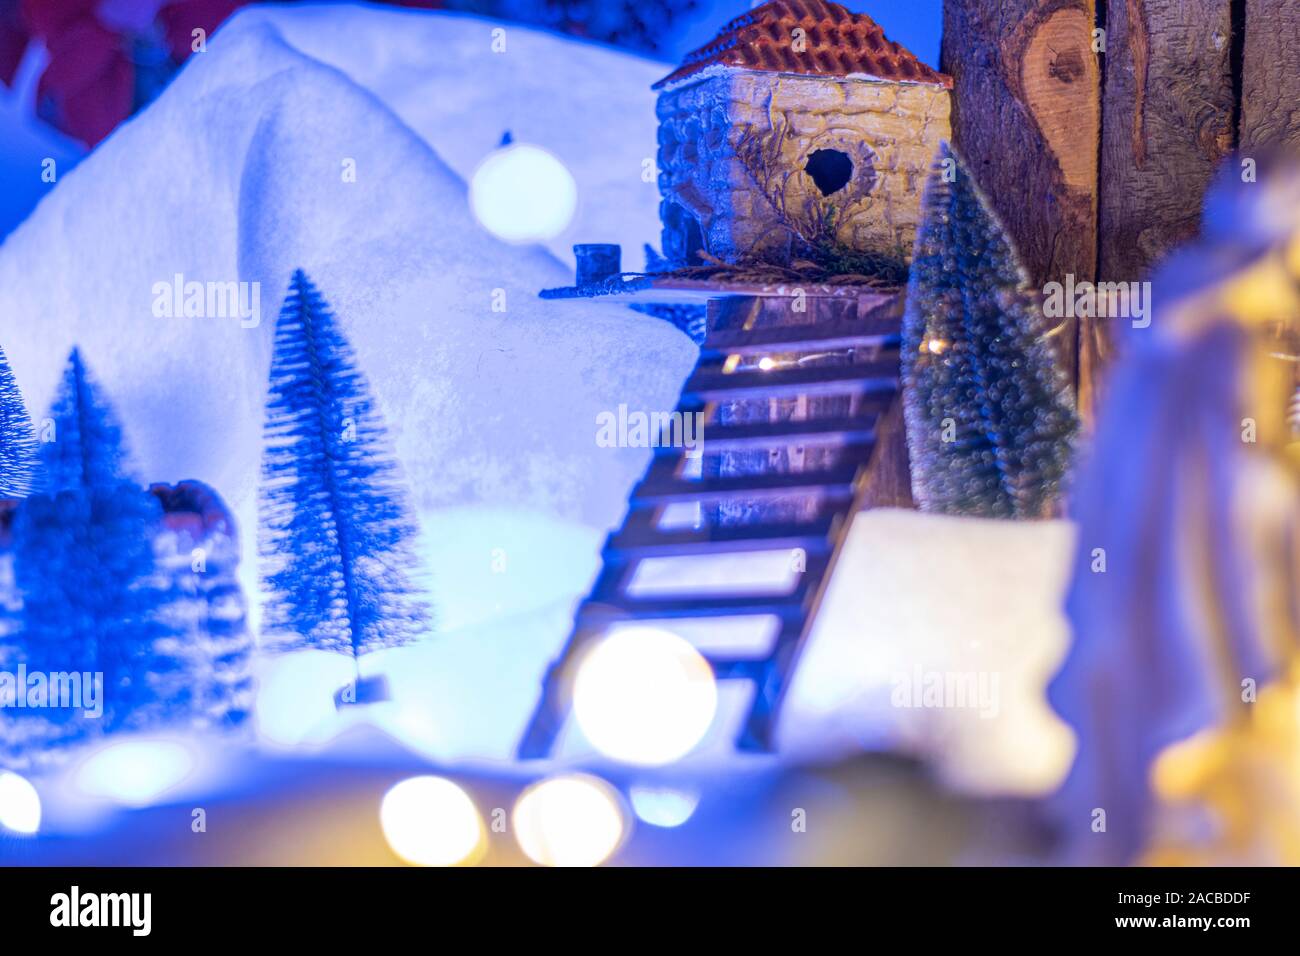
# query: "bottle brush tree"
990,415
337,533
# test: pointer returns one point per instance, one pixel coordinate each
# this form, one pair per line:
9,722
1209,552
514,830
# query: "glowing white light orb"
522,193
575,820
644,696
20,805
663,806
135,772
766,364
430,821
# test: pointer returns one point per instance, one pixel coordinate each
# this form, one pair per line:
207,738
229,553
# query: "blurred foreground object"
1183,597
366,801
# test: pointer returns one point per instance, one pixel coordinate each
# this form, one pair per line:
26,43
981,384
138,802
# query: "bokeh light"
430,821
644,696
135,772
20,805
573,820
522,193
663,806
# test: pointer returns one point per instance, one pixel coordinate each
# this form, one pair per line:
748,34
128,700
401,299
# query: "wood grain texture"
1270,89
1167,123
890,484
1026,116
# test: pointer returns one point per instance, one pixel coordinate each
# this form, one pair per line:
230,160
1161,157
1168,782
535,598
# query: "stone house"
801,123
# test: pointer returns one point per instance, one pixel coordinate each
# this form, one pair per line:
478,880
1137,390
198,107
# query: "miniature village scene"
678,433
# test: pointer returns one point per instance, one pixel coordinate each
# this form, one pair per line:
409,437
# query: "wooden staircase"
802,429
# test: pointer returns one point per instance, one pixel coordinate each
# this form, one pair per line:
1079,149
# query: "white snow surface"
590,105
235,174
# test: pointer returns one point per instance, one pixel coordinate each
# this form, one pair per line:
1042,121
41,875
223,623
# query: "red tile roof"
839,43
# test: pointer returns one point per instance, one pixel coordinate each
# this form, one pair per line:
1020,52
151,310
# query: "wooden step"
714,385
736,668
830,336
669,466
835,482
856,430
625,608
814,537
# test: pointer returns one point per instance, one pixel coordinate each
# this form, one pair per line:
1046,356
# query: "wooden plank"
850,333
822,432
1026,116
1167,122
813,537
1270,86
831,482
737,668
880,375
889,484
692,607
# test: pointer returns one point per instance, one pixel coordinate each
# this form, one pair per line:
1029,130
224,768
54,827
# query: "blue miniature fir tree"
990,417
91,596
84,563
18,462
85,448
337,533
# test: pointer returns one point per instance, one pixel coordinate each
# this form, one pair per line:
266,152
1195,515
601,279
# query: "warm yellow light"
935,346
574,820
429,821
644,696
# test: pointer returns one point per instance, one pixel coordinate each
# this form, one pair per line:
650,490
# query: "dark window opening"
683,236
830,169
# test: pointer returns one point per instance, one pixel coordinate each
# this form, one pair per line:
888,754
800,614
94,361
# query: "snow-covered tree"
18,461
337,533
990,417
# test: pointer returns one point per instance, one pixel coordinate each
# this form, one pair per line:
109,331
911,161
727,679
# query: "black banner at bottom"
334,905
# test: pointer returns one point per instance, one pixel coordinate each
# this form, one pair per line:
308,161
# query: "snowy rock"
939,636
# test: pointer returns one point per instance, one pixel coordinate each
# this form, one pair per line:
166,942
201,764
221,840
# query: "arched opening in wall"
830,170
683,236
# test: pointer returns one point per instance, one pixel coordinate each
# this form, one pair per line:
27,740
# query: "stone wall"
733,148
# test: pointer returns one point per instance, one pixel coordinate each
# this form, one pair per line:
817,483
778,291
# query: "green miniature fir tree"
990,417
